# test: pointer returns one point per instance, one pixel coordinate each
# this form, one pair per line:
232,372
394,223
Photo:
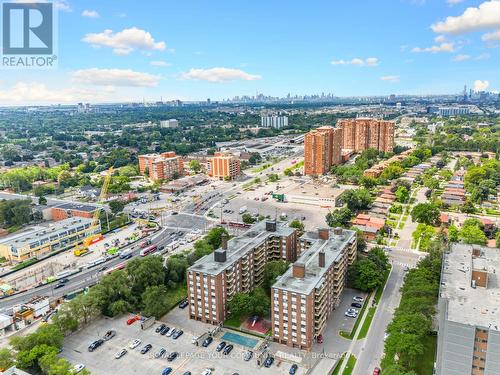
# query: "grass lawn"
176,295
351,362
233,321
425,364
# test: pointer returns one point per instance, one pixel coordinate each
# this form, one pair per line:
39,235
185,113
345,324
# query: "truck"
243,209
126,254
172,245
80,251
145,244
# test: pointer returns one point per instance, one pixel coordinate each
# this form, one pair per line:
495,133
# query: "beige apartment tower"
363,133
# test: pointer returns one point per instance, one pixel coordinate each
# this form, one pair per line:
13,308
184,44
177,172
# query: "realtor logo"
28,35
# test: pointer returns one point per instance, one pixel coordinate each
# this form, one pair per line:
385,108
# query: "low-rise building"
39,240
468,318
39,305
67,210
369,225
164,166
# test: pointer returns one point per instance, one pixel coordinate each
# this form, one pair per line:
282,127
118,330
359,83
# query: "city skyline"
211,51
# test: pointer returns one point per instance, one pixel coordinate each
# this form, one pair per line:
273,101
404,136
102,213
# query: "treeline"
15,212
412,322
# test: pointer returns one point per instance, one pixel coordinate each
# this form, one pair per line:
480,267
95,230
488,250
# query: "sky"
129,50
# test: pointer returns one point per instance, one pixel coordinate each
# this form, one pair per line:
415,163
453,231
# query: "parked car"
164,330
207,371
109,335
319,339
120,354
376,371
207,341
183,304
167,371
350,314
132,320
146,349
160,353
293,369
357,304
186,373
354,311
172,356
159,328
171,332
134,344
221,346
228,349
248,355
79,367
95,345
358,299
177,334
269,361
59,285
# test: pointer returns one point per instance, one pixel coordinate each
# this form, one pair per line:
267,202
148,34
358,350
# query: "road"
84,278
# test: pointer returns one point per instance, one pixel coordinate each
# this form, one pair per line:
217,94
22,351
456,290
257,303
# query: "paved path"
405,234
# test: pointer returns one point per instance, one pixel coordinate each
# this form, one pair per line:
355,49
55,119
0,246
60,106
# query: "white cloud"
454,2
443,47
160,63
90,13
125,41
115,77
370,61
493,36
461,57
480,85
394,79
440,39
487,15
35,92
219,74
483,56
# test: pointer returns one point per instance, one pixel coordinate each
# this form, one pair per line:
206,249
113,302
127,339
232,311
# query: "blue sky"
217,49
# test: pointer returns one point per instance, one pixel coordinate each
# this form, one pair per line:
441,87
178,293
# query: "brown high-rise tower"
363,133
322,149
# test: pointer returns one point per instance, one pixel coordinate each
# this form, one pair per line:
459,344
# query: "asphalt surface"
86,277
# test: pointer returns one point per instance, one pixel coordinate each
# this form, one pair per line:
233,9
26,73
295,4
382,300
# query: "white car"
170,332
350,314
358,299
134,344
79,367
207,371
121,353
354,311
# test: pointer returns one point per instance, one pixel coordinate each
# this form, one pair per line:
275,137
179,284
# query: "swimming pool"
240,340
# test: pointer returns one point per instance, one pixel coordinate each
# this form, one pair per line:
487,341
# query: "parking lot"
191,358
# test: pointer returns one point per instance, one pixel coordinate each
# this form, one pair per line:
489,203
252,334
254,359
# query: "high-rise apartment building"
224,165
276,122
322,150
363,133
164,166
302,298
468,312
172,123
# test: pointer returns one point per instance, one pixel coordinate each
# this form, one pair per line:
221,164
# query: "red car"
376,371
132,320
319,339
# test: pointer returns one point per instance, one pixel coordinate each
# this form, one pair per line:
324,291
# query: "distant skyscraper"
275,122
363,133
322,150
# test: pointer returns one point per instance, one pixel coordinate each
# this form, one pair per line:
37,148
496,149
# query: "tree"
340,217
117,206
273,177
202,248
471,233
42,201
368,182
453,233
402,194
145,272
423,235
248,218
365,275
254,158
427,213
256,302
155,301
6,358
195,166
272,270
299,225
357,199
214,236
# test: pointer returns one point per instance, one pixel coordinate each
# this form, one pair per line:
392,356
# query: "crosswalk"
404,265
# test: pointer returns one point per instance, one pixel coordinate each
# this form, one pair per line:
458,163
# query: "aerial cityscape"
242,188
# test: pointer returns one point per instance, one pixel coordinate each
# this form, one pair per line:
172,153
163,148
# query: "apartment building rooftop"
326,249
470,284
238,247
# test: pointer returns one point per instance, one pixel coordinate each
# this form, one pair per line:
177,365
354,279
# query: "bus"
95,262
126,254
119,266
64,274
148,250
